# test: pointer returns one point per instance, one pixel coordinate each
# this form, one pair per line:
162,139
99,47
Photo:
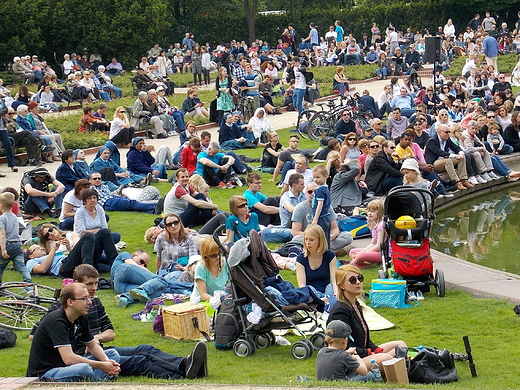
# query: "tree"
250,10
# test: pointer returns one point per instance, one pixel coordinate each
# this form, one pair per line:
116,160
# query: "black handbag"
432,366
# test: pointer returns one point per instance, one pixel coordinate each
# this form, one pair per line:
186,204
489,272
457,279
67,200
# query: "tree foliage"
128,28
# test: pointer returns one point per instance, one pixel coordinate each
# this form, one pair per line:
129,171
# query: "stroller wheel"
301,349
262,340
318,340
381,274
440,284
243,347
272,337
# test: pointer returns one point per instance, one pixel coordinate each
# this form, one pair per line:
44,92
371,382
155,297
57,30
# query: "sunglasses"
141,261
31,252
352,139
491,116
444,114
121,112
355,279
95,178
242,206
445,132
346,115
391,147
374,146
454,106
47,235
310,192
214,256
170,224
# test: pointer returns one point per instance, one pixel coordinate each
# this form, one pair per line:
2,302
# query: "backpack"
285,250
7,338
227,325
355,224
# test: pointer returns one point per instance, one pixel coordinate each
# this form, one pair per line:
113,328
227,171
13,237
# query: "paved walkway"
459,274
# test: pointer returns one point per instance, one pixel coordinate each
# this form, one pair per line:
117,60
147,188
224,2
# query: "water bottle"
420,348
374,367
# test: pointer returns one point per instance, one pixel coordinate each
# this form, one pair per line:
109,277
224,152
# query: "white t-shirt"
71,199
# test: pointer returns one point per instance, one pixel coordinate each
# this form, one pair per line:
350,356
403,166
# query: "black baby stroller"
407,248
251,269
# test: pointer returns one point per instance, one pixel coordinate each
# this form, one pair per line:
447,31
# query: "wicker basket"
179,321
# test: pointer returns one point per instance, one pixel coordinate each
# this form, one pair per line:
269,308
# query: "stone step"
12,383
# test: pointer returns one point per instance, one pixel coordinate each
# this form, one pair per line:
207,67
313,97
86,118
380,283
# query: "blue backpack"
356,225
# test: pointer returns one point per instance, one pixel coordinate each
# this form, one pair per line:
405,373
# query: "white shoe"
473,180
486,177
420,296
493,175
480,179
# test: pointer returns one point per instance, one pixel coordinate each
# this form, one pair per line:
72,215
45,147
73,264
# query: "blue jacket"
139,162
66,176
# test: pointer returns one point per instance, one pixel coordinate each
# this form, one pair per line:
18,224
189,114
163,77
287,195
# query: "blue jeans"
4,139
276,234
382,72
162,170
298,99
178,117
238,165
231,145
126,277
118,203
499,166
14,250
176,158
116,90
147,360
288,165
79,372
324,222
38,204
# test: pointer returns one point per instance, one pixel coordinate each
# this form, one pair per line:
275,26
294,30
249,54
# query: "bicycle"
324,122
30,292
20,315
246,105
21,308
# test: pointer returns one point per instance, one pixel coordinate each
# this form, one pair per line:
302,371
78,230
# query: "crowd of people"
444,142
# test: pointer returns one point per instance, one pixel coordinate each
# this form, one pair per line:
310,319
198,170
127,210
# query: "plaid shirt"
104,194
239,73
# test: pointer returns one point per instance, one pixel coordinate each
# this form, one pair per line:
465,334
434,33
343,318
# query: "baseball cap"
338,330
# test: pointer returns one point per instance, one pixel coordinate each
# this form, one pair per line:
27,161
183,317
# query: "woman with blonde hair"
211,274
316,266
341,81
120,129
173,246
240,222
349,286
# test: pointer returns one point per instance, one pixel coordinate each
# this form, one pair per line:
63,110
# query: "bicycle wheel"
20,315
320,126
37,293
303,122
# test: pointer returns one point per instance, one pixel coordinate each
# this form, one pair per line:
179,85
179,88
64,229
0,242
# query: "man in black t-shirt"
57,350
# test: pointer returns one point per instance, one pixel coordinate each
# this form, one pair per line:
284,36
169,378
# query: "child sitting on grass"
336,363
10,244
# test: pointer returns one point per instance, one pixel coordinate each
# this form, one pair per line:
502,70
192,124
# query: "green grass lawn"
439,322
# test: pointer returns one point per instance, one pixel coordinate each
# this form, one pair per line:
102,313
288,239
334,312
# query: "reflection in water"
485,231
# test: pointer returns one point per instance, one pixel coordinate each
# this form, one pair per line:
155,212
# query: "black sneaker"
35,163
50,213
196,360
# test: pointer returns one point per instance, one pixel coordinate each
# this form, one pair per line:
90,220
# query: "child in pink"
364,257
